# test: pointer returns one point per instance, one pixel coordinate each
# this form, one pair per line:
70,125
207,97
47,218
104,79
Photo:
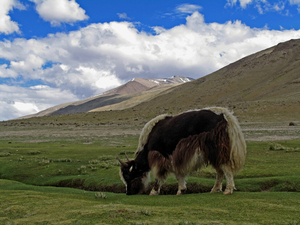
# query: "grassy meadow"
77,182
26,204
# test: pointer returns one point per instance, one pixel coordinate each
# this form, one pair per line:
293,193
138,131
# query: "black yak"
183,143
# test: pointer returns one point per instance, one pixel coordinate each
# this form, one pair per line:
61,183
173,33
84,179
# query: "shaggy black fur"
163,139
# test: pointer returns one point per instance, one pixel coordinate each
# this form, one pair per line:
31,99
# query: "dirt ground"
260,132
66,133
252,132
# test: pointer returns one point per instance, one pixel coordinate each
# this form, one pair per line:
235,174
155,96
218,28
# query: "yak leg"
229,180
219,179
160,179
181,184
157,185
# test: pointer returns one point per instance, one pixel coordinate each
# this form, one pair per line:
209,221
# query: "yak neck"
141,160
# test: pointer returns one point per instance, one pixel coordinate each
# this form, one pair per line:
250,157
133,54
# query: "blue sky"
57,51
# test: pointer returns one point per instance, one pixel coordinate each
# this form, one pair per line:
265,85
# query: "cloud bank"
79,64
62,11
7,26
53,11
264,6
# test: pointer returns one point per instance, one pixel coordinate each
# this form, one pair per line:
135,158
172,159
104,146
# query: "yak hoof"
215,190
181,192
153,193
228,192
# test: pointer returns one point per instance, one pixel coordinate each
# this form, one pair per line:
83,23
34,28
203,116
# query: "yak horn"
127,156
123,163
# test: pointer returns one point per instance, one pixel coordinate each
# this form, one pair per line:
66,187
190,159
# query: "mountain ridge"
114,96
264,82
261,76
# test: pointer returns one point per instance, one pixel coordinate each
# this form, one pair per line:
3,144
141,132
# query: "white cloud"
26,108
60,11
32,62
123,16
101,56
264,6
243,3
188,8
279,6
102,79
295,2
107,82
20,101
7,72
8,26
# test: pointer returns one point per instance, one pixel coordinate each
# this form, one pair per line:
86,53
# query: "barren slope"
269,76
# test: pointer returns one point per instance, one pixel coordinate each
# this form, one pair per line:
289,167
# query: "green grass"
94,166
46,162
25,204
268,187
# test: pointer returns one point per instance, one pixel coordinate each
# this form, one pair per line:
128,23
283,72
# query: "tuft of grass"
100,195
82,170
62,160
191,223
43,162
279,147
288,186
94,161
4,154
276,147
34,152
146,212
104,161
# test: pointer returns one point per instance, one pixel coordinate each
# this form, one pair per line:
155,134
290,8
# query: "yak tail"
238,148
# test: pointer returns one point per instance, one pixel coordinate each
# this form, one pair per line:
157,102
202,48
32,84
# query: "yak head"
135,179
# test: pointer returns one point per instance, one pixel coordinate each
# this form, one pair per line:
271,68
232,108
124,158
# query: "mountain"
270,77
266,83
271,74
124,96
137,85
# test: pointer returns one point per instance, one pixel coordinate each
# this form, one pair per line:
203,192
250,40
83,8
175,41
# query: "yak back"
167,133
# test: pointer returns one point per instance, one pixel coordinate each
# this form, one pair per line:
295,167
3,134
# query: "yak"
184,143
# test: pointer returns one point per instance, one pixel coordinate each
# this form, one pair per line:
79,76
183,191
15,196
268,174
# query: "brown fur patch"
215,145
184,152
159,163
